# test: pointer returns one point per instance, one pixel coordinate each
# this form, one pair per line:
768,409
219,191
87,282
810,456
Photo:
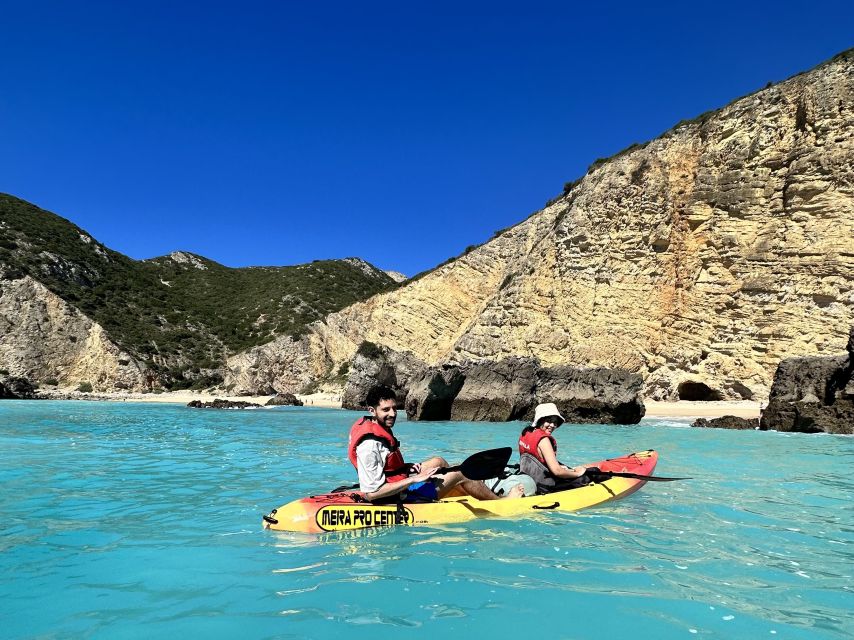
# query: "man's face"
385,413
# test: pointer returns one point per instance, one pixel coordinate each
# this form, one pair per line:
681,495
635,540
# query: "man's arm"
392,488
370,460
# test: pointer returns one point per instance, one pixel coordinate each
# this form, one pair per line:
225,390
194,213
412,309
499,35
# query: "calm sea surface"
144,520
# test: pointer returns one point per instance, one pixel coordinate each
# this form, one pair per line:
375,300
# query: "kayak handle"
270,519
547,506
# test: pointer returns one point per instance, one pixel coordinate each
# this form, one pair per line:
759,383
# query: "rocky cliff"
41,337
698,260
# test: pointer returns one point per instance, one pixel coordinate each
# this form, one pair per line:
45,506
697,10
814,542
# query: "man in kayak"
383,474
538,453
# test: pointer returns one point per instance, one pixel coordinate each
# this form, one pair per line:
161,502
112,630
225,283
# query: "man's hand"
421,476
414,468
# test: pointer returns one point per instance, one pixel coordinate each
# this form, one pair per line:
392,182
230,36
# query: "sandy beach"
654,409
686,409
329,400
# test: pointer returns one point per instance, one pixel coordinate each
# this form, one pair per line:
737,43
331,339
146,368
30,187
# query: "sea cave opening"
698,391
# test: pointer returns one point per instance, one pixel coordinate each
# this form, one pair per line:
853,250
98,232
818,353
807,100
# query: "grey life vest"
546,482
529,465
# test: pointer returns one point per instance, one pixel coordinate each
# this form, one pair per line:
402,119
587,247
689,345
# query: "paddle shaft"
617,474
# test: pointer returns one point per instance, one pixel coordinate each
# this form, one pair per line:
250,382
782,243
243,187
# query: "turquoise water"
141,520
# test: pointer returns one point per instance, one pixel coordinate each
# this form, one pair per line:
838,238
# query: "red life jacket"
529,442
367,427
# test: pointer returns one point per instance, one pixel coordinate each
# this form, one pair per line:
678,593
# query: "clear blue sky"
272,133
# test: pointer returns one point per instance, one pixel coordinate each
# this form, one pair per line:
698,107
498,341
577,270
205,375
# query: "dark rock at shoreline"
597,395
496,391
510,389
14,388
813,395
373,365
432,393
218,403
727,422
284,400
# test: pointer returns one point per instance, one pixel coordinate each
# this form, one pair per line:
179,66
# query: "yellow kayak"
349,510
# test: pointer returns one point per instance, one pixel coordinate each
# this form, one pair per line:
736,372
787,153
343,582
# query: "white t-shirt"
370,461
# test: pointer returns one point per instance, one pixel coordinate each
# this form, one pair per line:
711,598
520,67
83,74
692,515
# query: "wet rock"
813,395
727,422
284,400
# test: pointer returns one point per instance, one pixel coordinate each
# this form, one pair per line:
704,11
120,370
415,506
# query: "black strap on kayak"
400,515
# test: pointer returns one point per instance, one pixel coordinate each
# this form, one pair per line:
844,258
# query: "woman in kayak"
538,453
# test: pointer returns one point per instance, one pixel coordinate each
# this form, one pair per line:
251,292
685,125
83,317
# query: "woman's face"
550,423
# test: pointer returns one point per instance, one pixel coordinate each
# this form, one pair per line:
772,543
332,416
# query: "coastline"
326,400
654,408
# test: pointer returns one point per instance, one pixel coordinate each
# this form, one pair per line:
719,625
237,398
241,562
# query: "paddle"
483,465
597,475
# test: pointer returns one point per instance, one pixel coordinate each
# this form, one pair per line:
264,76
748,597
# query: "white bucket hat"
544,410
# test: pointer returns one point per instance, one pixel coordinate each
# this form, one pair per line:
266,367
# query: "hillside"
699,260
180,315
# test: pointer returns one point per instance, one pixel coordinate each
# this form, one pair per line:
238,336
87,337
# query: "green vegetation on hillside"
182,314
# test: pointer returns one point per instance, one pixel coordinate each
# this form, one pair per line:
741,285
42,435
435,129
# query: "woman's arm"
556,468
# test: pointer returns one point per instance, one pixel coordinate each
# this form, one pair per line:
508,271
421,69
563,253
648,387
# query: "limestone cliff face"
705,256
42,337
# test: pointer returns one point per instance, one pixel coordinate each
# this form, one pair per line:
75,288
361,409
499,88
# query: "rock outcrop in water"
219,403
698,261
813,395
727,422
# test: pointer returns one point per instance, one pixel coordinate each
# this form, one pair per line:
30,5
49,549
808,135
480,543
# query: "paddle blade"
486,464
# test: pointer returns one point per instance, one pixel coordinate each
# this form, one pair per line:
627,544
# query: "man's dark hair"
377,394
